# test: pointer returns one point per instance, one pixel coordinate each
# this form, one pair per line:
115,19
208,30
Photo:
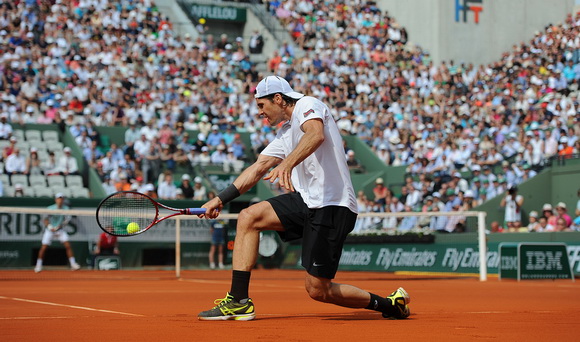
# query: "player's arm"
245,181
313,137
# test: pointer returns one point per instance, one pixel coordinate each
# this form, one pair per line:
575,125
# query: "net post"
177,247
482,246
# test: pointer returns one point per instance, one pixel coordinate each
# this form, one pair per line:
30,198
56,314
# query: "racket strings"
118,211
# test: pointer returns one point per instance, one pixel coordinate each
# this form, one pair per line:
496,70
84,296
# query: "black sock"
380,304
240,284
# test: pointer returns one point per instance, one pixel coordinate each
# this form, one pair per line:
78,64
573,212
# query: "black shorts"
322,230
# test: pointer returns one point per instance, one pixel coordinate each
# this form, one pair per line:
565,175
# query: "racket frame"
156,219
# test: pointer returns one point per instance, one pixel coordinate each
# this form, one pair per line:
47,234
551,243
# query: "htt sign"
465,6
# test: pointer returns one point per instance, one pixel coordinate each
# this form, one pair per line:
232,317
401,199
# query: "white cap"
18,186
59,195
204,149
66,149
275,84
149,187
185,177
197,179
469,193
561,205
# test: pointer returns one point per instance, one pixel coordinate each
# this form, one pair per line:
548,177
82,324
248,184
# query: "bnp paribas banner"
30,227
455,258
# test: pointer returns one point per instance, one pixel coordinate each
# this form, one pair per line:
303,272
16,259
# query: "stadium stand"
132,71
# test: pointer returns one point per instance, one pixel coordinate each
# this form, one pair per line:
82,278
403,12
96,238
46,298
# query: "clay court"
155,306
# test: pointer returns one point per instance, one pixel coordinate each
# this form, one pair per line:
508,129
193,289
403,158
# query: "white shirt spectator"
15,163
5,128
167,190
67,164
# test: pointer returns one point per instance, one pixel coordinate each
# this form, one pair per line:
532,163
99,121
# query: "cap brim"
293,94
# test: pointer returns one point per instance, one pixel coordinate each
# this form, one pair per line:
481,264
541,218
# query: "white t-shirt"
323,178
511,212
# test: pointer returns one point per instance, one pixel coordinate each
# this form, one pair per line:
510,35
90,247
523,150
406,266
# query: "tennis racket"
128,213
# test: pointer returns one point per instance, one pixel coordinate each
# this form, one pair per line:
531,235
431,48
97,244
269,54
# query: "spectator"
18,190
15,163
548,213
561,225
578,205
533,225
150,190
186,188
5,127
67,164
562,213
33,164
495,227
166,189
256,43
512,202
123,183
199,191
8,150
107,244
50,167
380,192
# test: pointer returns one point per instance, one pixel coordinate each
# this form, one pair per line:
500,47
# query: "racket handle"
194,211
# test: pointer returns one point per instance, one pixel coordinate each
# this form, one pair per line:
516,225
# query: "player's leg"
63,237
221,255
322,244
212,256
46,241
237,305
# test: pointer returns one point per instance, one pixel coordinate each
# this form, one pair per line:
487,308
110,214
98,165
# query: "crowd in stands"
472,132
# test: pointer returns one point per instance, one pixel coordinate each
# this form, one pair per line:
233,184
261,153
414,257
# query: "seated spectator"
107,244
5,127
33,163
15,163
166,189
544,226
533,225
8,150
199,191
380,192
180,157
561,225
50,166
562,212
67,164
150,190
353,163
218,157
123,183
186,188
548,213
18,190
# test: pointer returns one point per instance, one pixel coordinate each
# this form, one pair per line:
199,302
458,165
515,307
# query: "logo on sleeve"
308,112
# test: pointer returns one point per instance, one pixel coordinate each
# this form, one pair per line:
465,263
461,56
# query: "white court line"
70,306
16,318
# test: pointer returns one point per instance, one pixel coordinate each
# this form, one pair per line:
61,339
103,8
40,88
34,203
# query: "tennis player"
53,230
308,159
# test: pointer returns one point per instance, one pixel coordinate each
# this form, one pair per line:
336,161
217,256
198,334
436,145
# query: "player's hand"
284,175
213,208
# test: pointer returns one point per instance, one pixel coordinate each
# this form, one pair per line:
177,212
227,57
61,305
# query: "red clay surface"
58,305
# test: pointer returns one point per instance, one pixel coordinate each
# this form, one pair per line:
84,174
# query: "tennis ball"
202,21
132,228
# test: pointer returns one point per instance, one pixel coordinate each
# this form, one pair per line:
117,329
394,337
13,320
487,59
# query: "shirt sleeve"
275,148
310,108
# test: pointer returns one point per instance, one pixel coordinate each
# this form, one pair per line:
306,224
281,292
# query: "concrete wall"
431,24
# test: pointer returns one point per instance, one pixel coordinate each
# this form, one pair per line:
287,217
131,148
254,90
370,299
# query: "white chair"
65,191
55,146
50,136
80,192
5,179
37,180
8,191
18,133
43,192
32,135
19,179
28,191
74,180
55,181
